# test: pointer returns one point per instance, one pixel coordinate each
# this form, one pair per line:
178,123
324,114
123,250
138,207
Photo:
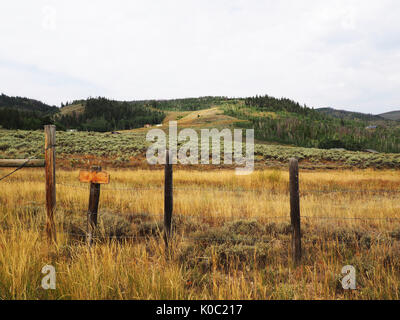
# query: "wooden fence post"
295,210
168,199
94,198
50,172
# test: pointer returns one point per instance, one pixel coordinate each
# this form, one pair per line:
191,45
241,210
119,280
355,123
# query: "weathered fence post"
94,198
50,172
168,199
295,209
96,177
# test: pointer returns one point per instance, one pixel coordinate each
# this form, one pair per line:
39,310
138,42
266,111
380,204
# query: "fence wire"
206,239
15,170
302,192
33,204
237,240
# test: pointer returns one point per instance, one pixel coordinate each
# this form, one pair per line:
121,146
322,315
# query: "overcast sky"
343,54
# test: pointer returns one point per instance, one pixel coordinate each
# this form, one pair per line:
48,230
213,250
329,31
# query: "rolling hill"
393,115
275,120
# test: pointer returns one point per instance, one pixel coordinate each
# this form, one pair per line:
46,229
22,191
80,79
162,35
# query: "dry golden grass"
137,268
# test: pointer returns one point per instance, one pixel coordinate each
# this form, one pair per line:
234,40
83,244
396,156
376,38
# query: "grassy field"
231,236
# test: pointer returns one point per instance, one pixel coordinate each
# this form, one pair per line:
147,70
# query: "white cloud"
341,53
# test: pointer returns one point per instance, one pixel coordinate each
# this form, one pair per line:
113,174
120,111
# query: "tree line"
101,114
24,113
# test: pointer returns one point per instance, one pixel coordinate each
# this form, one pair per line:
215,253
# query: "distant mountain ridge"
350,115
392,115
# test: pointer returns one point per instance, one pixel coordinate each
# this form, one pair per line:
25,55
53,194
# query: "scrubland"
128,149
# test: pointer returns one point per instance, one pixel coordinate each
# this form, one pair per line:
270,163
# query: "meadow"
231,236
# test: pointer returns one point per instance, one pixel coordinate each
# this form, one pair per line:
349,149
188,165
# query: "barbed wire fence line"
154,217
305,192
199,216
237,240
78,186
206,240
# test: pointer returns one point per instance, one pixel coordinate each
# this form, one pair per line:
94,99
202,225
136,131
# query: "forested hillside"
274,120
101,114
285,121
24,113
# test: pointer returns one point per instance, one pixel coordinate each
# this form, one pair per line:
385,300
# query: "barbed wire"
256,240
266,191
50,147
215,238
179,216
22,165
77,186
235,240
351,218
102,236
228,190
351,191
19,168
240,239
205,217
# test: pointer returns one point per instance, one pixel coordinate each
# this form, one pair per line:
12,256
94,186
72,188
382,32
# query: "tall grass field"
231,236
